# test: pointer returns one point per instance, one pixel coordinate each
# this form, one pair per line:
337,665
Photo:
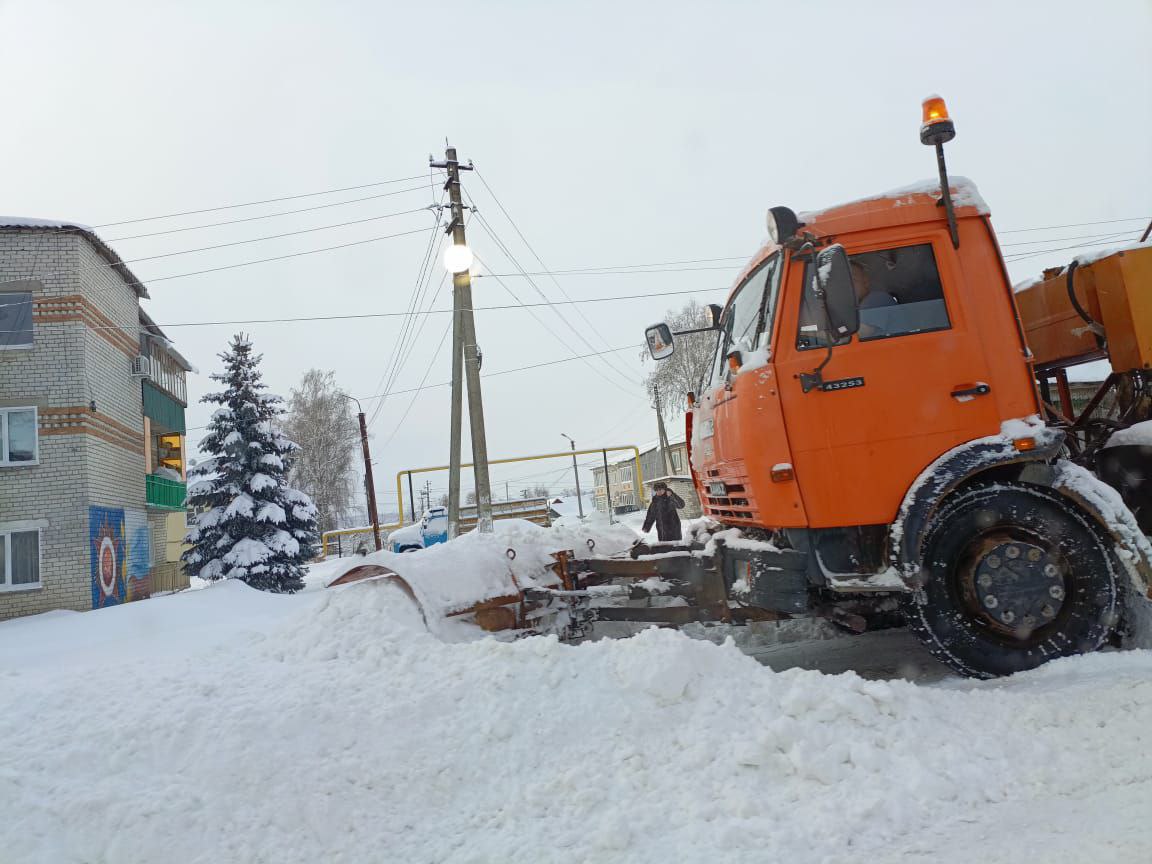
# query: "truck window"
746,324
898,292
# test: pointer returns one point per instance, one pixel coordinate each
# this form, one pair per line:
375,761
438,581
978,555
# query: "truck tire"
1013,576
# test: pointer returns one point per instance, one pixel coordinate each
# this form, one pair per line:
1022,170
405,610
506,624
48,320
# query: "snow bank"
347,733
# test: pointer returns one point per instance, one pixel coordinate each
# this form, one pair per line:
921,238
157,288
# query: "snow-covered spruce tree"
249,525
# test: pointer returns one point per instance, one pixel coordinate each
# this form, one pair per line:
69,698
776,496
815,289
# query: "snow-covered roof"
566,505
154,330
29,223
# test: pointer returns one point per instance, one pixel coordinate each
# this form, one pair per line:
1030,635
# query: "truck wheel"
1013,576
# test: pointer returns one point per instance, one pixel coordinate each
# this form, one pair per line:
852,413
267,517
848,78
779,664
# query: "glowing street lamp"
457,259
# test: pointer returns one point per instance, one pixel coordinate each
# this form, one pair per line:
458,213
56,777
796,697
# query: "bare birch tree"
320,420
688,366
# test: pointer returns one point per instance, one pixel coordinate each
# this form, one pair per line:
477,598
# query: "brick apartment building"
92,399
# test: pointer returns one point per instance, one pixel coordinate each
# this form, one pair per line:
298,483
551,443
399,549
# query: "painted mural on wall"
120,553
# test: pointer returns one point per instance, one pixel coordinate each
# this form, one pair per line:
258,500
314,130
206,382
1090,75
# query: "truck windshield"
746,324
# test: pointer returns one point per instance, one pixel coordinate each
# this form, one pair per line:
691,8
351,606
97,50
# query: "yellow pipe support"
635,458
345,532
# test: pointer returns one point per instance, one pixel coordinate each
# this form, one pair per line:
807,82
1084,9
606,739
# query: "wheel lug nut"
1034,554
991,602
1056,592
1047,611
993,561
984,581
1012,551
1007,616
1051,571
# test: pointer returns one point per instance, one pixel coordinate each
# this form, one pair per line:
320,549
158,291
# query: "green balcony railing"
164,493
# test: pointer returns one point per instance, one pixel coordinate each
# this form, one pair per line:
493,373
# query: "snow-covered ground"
226,725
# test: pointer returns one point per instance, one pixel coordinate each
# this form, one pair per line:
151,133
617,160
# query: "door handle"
967,392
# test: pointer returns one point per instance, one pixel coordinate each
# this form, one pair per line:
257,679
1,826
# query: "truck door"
741,431
910,385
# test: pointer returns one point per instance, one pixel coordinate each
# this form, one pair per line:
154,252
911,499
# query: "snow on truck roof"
916,202
964,194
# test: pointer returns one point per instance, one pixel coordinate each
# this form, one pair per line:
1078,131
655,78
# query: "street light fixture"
458,258
576,471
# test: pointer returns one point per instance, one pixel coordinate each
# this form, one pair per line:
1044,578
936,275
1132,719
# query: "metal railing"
163,493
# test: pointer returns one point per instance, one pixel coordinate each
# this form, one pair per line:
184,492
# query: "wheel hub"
1019,586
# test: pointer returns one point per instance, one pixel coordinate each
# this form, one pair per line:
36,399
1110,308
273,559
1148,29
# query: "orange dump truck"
886,433
890,426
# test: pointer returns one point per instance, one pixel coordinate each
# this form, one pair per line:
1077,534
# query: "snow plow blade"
660,584
379,573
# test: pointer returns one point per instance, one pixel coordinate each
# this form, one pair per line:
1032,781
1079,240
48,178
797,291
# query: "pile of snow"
449,577
347,733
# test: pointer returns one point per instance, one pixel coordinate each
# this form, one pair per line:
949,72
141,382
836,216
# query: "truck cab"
430,530
938,359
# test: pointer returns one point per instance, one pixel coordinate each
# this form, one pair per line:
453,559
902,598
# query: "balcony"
164,494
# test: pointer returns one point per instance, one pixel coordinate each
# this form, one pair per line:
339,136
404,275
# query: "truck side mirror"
659,338
834,282
715,311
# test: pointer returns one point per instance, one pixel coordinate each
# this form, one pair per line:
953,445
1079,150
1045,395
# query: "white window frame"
23,346
4,412
7,530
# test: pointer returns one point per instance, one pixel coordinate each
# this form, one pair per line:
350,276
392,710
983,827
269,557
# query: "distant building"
622,482
92,399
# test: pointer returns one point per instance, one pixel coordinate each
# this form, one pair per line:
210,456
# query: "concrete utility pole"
465,366
576,471
665,456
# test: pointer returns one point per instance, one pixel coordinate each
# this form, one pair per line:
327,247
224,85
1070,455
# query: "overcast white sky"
614,133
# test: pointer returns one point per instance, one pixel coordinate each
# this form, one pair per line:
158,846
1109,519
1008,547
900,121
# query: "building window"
19,560
677,461
15,319
18,444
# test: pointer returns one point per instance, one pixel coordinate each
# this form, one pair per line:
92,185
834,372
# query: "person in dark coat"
662,512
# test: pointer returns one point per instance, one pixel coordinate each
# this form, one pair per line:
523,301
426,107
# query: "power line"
558,338
277,236
264,201
1115,240
267,215
529,275
632,347
226,266
1073,225
419,387
370,315
401,350
539,260
1065,239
